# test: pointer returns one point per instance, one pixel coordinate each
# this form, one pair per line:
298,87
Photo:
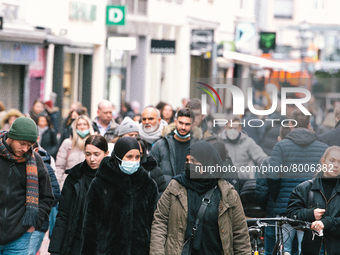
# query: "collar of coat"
317,184
196,132
79,170
109,172
228,197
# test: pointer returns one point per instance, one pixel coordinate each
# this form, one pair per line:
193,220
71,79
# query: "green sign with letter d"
115,15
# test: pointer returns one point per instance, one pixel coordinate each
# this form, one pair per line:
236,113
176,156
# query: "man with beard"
25,188
152,125
170,151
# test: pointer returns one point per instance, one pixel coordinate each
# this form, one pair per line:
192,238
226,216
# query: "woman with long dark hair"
66,236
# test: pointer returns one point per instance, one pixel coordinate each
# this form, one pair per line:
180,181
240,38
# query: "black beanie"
23,129
123,145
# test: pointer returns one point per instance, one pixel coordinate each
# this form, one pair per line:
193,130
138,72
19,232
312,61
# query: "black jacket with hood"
298,155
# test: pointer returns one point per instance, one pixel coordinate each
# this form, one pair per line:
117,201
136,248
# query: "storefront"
22,70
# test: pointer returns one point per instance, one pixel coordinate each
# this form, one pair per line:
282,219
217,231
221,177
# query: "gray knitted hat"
127,126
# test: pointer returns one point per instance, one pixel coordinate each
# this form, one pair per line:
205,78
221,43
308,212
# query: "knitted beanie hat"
127,126
23,129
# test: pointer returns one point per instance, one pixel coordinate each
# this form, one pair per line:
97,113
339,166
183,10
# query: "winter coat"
263,198
49,142
119,211
54,182
155,172
66,159
206,132
164,150
71,202
243,153
13,199
298,205
271,132
54,116
256,133
300,149
110,133
331,137
170,221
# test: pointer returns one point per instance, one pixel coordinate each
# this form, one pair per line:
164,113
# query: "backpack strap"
199,216
20,177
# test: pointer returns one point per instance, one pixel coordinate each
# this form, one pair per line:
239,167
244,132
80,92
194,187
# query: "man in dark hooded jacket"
295,157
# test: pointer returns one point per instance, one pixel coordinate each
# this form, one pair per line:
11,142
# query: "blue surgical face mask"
128,167
182,136
84,133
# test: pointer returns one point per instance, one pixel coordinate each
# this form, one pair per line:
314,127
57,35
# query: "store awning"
245,59
32,36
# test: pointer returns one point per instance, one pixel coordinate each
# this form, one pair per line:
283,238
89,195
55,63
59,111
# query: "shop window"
283,9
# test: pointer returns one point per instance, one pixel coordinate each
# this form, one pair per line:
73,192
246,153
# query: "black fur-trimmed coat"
119,212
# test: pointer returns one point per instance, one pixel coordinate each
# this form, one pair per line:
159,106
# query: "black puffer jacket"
66,234
298,205
119,212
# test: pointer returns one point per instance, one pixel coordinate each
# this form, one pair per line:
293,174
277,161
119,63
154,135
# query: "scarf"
31,216
153,136
41,131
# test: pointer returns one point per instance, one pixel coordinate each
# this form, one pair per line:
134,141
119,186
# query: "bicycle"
258,224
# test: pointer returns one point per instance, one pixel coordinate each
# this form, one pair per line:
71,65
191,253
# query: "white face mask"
232,134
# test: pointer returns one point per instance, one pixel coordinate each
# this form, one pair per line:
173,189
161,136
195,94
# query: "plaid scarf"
31,216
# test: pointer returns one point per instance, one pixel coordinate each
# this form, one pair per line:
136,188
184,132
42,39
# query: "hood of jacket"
46,157
301,136
108,171
223,136
195,133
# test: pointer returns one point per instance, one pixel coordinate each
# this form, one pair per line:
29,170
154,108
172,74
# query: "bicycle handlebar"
282,220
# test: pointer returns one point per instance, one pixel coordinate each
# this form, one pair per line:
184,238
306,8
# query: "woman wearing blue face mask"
71,151
120,204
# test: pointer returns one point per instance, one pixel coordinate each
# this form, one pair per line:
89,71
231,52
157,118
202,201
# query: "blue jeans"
17,247
288,237
269,240
36,239
53,216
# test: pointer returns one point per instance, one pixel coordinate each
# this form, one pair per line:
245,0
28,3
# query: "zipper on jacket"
326,210
7,195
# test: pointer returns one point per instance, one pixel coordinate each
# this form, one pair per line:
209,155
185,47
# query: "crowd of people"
136,181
